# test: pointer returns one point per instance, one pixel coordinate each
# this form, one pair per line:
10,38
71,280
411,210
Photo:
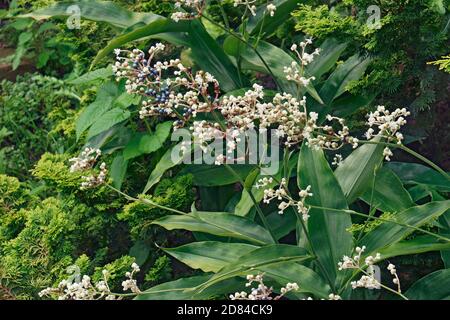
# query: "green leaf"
273,56
213,175
388,194
355,173
282,224
99,11
389,233
435,286
307,279
159,26
210,57
119,168
259,258
330,51
444,220
104,102
327,229
183,289
350,70
43,59
166,163
349,104
148,143
414,173
99,74
220,224
108,120
266,24
420,244
209,256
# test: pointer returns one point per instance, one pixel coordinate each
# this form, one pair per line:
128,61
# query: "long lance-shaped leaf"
308,280
435,286
183,289
389,195
389,233
220,224
275,59
355,174
209,256
159,26
418,245
328,230
100,11
209,56
259,258
265,24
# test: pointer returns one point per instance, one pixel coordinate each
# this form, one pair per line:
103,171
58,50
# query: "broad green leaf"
275,58
348,104
118,170
99,74
245,204
182,289
388,194
389,233
420,244
435,286
336,84
104,102
159,26
414,173
355,173
169,160
259,258
444,220
148,143
209,256
307,279
99,11
108,120
282,224
330,51
220,224
210,57
327,229
213,175
265,24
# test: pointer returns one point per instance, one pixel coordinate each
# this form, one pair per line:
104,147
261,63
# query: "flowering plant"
294,224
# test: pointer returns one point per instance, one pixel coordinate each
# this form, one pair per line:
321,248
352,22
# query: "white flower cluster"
86,160
368,279
172,90
169,88
131,283
194,9
282,194
392,269
85,290
296,72
250,5
388,124
262,292
94,181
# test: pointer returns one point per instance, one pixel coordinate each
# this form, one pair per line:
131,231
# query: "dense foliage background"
54,80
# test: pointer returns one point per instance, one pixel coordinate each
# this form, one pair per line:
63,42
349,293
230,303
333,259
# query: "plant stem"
146,201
